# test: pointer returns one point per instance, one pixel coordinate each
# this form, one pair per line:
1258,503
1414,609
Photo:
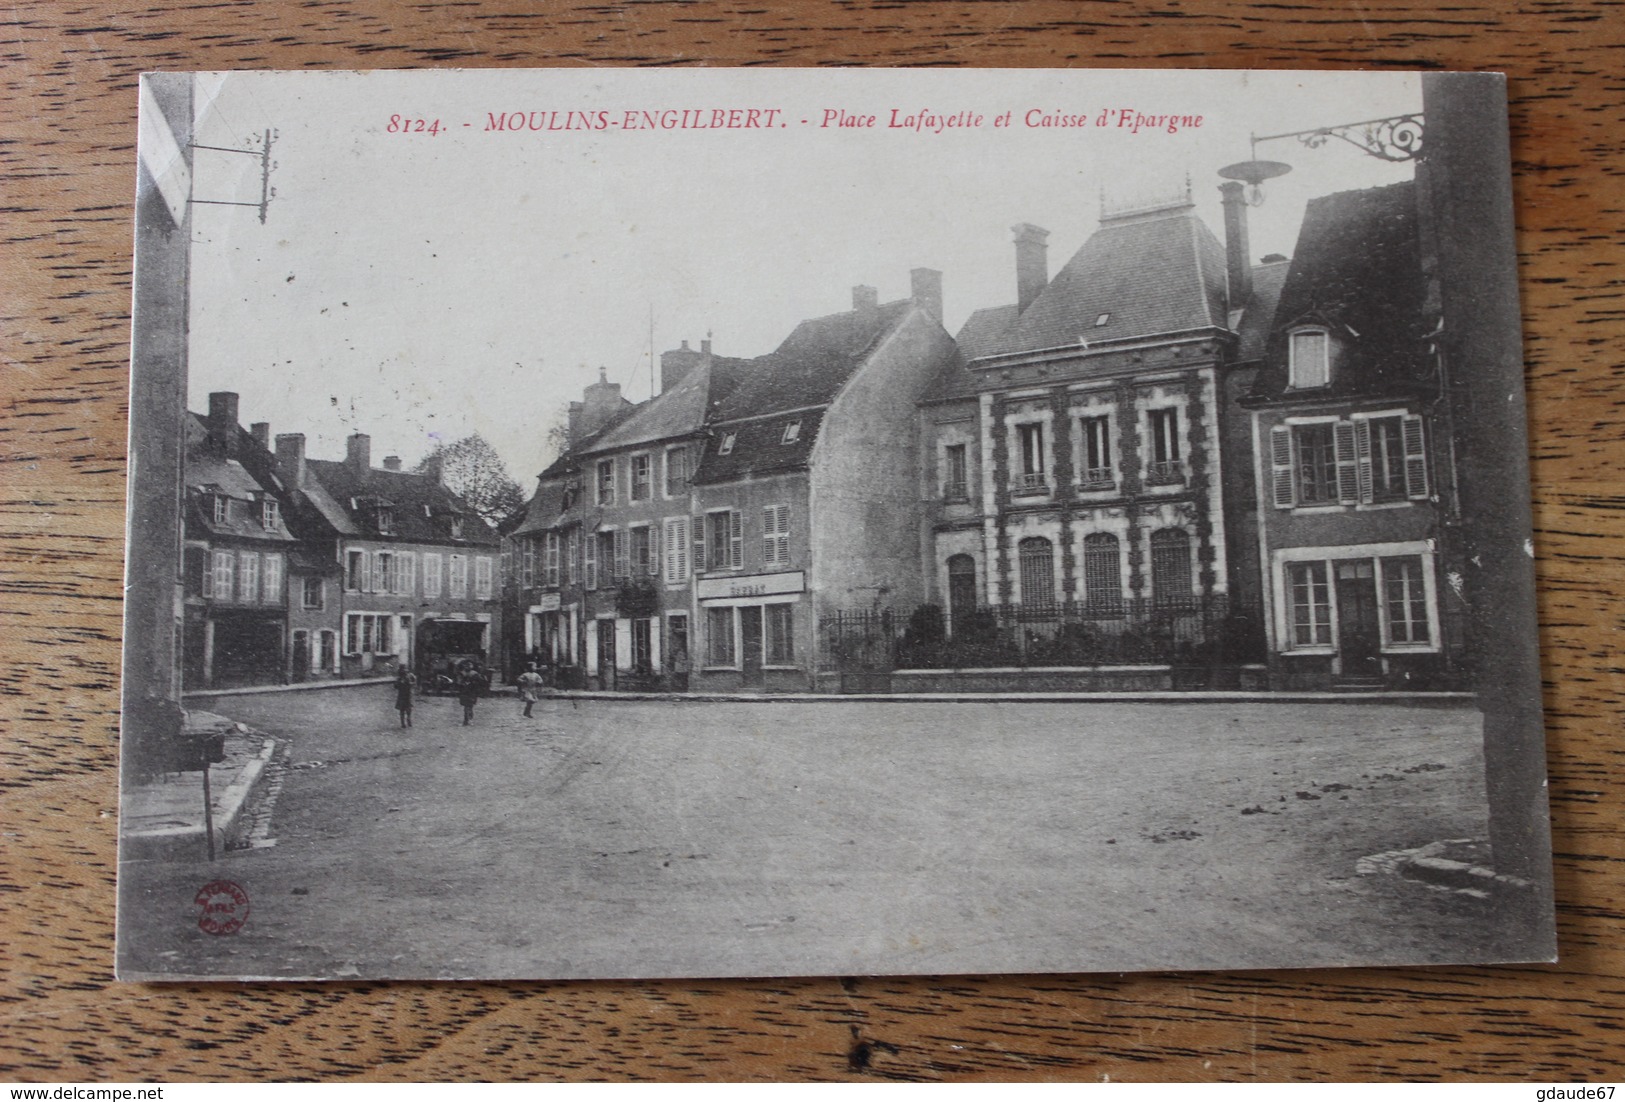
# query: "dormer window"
385,517
270,514
222,508
456,528
728,444
792,433
1309,359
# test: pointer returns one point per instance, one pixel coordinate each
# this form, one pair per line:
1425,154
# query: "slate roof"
1357,270
1253,327
677,412
807,370
1148,273
209,472
546,505
422,507
977,337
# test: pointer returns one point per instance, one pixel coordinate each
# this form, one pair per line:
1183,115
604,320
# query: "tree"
471,469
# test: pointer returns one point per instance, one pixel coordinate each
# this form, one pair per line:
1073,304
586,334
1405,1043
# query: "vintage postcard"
630,523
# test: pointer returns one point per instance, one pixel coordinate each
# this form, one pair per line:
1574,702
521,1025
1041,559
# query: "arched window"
961,587
1170,566
1102,572
1037,560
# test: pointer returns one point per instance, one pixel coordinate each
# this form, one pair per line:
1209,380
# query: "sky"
420,287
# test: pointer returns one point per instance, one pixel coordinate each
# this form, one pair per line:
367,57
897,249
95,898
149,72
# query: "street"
652,838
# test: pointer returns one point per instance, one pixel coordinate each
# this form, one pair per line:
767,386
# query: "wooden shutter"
1281,465
1416,460
1362,457
590,555
699,543
1348,485
736,539
622,553
654,550
207,591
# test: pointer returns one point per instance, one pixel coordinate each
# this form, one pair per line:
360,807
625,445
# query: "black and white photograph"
740,523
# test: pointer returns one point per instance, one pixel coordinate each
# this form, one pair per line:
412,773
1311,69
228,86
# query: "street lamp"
1398,138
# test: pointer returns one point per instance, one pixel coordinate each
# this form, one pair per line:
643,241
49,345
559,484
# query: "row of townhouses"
297,568
1164,458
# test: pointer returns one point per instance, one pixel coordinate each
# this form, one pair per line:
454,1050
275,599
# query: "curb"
191,841
1166,696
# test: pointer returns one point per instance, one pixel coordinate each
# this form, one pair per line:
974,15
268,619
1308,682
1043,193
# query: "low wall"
1073,679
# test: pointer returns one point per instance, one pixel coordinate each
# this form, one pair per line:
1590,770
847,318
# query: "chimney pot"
223,421
358,452
926,289
1032,263
1238,268
290,458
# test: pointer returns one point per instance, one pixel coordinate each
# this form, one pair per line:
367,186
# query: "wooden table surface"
67,133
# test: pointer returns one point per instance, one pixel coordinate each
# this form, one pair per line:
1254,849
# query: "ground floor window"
719,631
1407,603
328,651
369,633
1311,602
1170,566
642,644
1037,561
781,649
677,643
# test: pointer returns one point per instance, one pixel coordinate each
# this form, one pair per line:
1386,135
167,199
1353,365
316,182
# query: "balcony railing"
955,491
1095,479
1036,482
1164,472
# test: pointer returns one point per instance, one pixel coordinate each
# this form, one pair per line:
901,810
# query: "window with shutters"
677,537
676,471
224,575
1309,600
482,578
1102,573
458,583
623,554
406,573
550,559
1036,557
724,540
780,634
776,535
527,562
431,574
1309,356
571,557
372,632
355,571
606,482
589,565
643,552
1316,450
248,577
1170,566
383,572
271,579
1384,451
1405,599
642,477
719,637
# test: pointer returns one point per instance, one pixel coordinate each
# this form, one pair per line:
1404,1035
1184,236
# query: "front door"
750,645
301,655
606,654
1358,638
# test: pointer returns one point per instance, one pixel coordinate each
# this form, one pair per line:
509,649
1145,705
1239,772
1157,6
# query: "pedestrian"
405,682
530,688
468,692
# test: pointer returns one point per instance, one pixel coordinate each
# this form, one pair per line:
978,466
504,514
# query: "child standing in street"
405,682
469,687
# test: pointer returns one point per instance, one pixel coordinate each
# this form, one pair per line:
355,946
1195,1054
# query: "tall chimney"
1238,270
358,452
1032,263
677,363
290,458
392,462
223,421
926,290
865,299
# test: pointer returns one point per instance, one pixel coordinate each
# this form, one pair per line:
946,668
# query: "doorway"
606,654
750,646
1359,639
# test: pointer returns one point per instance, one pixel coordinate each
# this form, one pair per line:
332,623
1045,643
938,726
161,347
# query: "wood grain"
67,125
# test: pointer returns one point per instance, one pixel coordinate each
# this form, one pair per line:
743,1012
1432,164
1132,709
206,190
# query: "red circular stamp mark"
225,907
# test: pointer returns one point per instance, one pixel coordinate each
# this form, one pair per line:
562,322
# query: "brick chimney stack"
261,432
677,363
1032,263
392,462
358,452
865,299
1238,269
290,459
926,290
223,421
